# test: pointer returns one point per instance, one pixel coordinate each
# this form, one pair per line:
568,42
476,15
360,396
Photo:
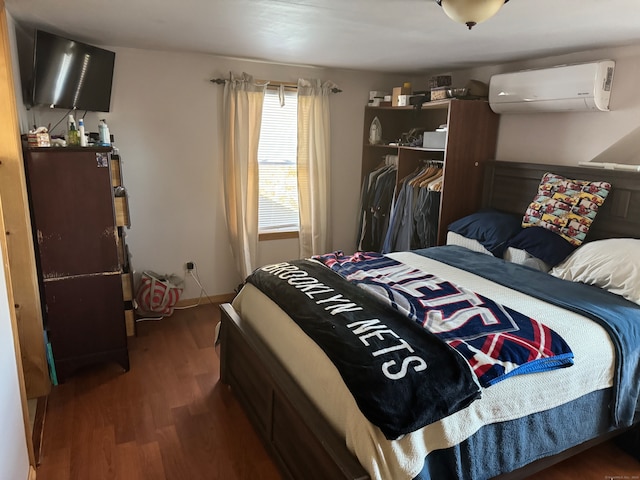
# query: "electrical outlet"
190,265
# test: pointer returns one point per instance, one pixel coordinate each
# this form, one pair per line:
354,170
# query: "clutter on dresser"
105,137
73,139
81,134
39,137
73,134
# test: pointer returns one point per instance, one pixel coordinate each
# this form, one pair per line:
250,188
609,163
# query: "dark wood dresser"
78,251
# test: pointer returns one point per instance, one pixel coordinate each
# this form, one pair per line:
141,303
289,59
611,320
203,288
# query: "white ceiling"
401,36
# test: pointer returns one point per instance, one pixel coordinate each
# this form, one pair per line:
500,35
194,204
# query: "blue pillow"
542,243
491,228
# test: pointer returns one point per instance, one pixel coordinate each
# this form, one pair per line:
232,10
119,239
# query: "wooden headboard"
510,187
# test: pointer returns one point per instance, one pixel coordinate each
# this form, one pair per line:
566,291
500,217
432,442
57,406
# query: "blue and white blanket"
497,341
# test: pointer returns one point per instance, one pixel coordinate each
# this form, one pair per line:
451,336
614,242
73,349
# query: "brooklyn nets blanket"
401,376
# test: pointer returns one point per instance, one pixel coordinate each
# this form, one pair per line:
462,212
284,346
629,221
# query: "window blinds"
278,203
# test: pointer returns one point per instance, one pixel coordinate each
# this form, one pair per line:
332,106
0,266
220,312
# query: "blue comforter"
619,317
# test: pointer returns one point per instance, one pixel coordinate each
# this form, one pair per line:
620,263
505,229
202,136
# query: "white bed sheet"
513,398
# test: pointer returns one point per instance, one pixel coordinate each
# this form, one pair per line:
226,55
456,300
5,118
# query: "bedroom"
168,96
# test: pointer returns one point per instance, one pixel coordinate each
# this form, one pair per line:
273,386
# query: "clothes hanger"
436,184
427,181
428,171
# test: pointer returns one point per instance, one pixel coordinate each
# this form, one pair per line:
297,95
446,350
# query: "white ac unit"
565,88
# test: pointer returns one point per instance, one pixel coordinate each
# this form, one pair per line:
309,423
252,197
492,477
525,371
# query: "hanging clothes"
414,218
425,217
376,202
400,227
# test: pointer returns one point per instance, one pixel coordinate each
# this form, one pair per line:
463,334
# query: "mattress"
512,399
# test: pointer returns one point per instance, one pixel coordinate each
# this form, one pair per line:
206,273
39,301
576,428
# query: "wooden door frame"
17,246
17,233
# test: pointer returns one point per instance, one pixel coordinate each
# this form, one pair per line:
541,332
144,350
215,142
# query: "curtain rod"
270,83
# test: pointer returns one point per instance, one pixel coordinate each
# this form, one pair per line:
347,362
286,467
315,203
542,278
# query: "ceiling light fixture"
471,12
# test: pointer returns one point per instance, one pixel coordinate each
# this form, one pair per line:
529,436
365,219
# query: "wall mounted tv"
70,74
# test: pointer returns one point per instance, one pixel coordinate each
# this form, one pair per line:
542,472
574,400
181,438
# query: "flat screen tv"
71,74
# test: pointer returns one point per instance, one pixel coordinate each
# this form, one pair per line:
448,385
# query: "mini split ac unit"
565,88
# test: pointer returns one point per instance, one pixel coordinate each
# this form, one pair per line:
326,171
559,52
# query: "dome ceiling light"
471,12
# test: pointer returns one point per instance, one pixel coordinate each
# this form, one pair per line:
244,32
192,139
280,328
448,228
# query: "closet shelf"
436,104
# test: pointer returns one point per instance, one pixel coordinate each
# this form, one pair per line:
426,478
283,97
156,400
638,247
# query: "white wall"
165,116
14,458
569,138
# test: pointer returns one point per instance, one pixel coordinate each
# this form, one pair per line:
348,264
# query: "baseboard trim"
222,298
188,303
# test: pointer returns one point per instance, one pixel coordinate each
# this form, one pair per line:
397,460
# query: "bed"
313,427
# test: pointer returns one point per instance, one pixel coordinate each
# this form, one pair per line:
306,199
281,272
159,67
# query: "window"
277,152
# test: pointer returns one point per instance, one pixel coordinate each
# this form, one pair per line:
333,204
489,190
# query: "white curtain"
314,171
243,101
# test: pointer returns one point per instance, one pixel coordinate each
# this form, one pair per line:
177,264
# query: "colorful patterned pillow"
566,207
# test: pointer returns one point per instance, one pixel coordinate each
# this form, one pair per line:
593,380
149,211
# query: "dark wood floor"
167,418
170,418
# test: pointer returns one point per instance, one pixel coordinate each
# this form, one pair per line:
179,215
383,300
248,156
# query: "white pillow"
612,264
454,238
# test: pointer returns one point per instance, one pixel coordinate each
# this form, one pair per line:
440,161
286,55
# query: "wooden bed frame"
297,435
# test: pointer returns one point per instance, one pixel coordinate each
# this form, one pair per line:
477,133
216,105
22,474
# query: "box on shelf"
404,100
377,94
440,81
434,140
397,91
439,93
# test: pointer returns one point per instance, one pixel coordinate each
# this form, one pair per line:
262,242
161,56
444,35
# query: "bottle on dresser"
72,133
81,134
105,136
